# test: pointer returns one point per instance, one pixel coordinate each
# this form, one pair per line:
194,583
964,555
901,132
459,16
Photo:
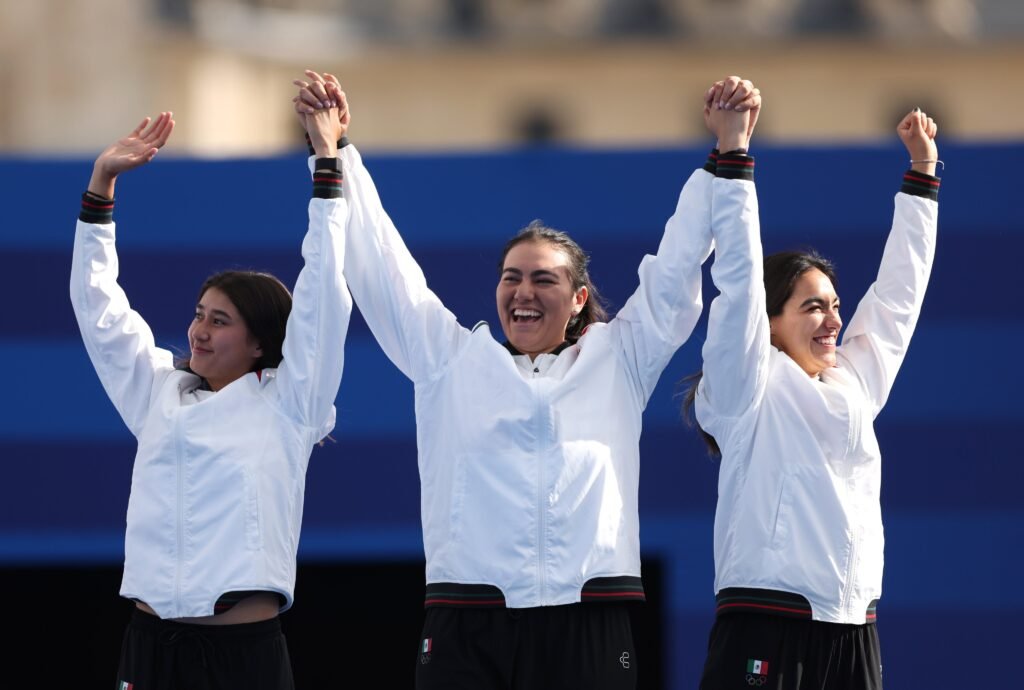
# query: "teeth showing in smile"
826,340
525,315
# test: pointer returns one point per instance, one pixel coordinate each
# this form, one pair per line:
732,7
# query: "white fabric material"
798,490
528,479
218,479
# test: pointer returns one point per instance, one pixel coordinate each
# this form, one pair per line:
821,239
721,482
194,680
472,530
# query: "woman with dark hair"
528,448
263,302
224,438
798,530
592,310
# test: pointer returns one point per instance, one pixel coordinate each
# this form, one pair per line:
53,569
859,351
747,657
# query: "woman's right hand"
322,108
731,109
138,148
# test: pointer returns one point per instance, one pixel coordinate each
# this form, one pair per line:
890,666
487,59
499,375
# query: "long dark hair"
264,304
593,311
781,271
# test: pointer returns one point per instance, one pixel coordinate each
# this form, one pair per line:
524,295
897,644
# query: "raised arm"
313,351
127,153
878,335
736,350
411,324
659,317
119,342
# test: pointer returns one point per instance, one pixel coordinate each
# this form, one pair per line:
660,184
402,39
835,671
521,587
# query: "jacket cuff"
921,184
735,166
711,164
96,209
327,183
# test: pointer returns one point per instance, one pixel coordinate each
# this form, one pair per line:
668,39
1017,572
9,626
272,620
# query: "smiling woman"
529,448
222,347
798,529
238,327
224,437
544,294
803,309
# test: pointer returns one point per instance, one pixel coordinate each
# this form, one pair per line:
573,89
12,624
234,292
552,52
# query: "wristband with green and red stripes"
735,165
921,184
96,209
327,179
711,164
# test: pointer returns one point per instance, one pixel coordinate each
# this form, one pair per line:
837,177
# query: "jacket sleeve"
119,342
660,315
313,351
737,347
411,324
877,337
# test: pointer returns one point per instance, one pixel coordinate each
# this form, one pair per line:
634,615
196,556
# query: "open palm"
137,148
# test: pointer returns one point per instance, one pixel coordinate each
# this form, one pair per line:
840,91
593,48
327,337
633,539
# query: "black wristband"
735,166
332,164
711,164
327,184
96,209
921,184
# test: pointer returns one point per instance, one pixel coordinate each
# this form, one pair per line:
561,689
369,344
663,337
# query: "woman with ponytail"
528,444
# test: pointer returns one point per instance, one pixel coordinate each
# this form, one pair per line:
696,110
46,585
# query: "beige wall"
77,74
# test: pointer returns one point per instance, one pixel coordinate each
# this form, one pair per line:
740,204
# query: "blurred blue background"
949,434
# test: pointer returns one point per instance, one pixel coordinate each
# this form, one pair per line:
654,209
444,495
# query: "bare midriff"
252,609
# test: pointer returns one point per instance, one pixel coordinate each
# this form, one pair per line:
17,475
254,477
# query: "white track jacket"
218,480
529,472
798,492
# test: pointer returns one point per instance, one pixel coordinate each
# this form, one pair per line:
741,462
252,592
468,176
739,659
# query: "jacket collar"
512,350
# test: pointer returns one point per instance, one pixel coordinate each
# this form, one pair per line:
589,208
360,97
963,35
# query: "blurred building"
471,74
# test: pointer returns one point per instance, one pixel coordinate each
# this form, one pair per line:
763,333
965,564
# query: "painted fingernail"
319,104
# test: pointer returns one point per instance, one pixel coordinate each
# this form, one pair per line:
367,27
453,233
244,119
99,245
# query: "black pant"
585,646
752,650
165,655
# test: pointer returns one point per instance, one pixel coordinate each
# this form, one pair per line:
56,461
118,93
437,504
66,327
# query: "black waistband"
772,602
595,590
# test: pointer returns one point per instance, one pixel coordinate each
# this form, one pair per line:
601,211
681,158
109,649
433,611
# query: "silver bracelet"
931,160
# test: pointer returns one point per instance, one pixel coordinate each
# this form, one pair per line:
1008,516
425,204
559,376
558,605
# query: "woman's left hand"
917,132
322,107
